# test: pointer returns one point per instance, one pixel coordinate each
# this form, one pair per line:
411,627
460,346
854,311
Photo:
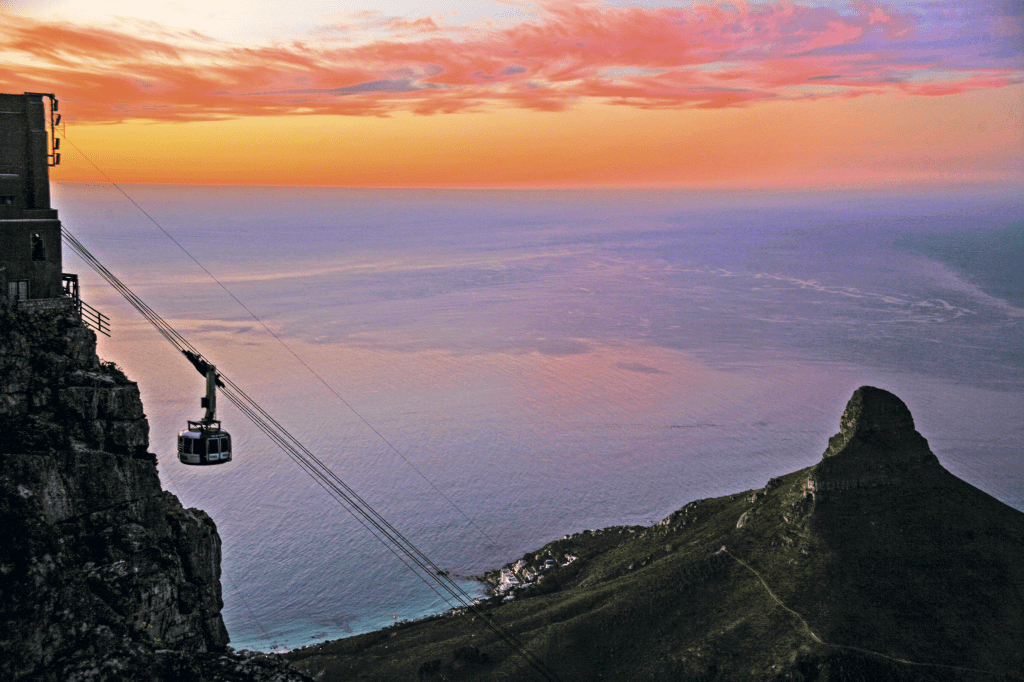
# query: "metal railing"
90,317
93,318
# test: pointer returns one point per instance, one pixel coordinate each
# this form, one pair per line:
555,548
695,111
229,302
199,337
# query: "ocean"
519,365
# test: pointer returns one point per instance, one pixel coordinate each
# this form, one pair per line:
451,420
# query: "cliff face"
96,558
103,575
877,445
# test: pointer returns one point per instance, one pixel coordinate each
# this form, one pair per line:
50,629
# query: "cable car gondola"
204,442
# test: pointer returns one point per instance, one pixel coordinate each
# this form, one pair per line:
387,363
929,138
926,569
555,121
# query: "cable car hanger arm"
202,365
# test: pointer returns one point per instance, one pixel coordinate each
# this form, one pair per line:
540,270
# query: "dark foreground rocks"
103,575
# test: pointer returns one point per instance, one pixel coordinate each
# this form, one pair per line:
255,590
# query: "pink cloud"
713,55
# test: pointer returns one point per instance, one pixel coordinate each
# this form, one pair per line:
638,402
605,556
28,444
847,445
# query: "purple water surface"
549,361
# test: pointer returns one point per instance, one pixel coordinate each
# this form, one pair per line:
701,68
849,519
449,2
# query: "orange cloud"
703,56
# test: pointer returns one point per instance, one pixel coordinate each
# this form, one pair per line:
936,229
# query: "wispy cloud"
701,55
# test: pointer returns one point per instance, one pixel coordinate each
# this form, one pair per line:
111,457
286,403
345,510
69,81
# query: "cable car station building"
30,248
30,233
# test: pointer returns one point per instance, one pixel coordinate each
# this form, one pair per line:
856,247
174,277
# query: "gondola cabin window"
187,441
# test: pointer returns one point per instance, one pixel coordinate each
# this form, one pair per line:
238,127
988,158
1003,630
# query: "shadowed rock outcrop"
103,575
55,394
876,445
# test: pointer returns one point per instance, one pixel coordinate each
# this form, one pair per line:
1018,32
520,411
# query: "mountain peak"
893,569
876,444
875,414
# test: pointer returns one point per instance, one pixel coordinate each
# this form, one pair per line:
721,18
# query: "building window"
17,291
38,248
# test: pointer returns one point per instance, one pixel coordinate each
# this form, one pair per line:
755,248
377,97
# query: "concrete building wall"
30,246
20,250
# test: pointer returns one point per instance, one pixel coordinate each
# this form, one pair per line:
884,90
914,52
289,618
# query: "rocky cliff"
877,445
103,575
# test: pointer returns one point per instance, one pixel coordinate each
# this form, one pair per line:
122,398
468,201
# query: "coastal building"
30,246
31,272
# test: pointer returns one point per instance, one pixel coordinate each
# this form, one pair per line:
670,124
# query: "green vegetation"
112,370
900,571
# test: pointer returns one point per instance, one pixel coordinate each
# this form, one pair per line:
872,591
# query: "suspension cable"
396,542
347,404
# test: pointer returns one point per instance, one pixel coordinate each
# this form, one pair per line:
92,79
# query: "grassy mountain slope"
875,564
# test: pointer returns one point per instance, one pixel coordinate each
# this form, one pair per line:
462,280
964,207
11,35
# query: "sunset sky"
502,93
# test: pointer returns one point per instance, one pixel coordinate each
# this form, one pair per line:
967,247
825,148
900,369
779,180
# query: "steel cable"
395,541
